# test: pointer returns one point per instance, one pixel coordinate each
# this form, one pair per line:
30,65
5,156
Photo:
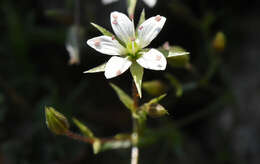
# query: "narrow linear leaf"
100,68
137,72
124,98
131,7
157,99
177,51
102,30
83,128
142,18
176,83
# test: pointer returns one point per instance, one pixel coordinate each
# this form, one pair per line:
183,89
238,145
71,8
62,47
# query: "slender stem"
81,138
135,135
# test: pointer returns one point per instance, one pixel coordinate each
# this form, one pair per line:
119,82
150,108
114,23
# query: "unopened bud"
156,110
56,121
154,88
219,42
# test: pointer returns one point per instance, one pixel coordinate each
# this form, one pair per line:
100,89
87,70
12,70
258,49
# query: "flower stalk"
135,134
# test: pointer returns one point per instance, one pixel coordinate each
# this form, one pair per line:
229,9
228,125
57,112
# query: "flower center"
133,49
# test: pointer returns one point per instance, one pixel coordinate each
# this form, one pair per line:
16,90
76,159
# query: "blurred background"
213,100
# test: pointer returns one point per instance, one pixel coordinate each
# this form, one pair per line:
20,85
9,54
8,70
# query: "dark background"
215,121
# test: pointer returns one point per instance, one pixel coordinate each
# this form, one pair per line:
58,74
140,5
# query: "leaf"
177,56
177,51
137,73
175,82
157,99
102,30
131,7
142,18
100,68
83,128
124,98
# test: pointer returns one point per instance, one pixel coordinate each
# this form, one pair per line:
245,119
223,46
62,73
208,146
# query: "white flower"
150,3
133,49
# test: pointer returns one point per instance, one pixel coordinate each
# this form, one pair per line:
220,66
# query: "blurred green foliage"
34,73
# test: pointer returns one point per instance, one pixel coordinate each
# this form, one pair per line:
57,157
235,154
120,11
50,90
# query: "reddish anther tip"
115,21
158,18
141,27
97,42
113,37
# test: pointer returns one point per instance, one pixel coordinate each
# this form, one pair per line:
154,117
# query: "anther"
114,16
158,18
97,42
141,27
133,39
115,21
113,37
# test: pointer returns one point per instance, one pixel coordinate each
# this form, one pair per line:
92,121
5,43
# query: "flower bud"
156,110
219,42
56,121
154,88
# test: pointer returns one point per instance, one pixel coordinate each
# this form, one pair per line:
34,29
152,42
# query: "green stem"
135,134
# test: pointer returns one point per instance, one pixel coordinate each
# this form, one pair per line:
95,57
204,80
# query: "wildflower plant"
129,50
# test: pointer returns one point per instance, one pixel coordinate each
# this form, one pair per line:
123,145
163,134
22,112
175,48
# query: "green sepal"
100,68
102,30
56,121
176,83
137,73
131,7
107,33
141,19
124,98
83,128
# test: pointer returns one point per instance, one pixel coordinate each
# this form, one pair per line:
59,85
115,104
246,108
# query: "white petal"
148,30
106,45
122,26
116,66
150,3
106,2
153,59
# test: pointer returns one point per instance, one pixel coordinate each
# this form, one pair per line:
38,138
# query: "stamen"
158,18
115,22
114,16
131,17
141,27
133,39
113,37
97,42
